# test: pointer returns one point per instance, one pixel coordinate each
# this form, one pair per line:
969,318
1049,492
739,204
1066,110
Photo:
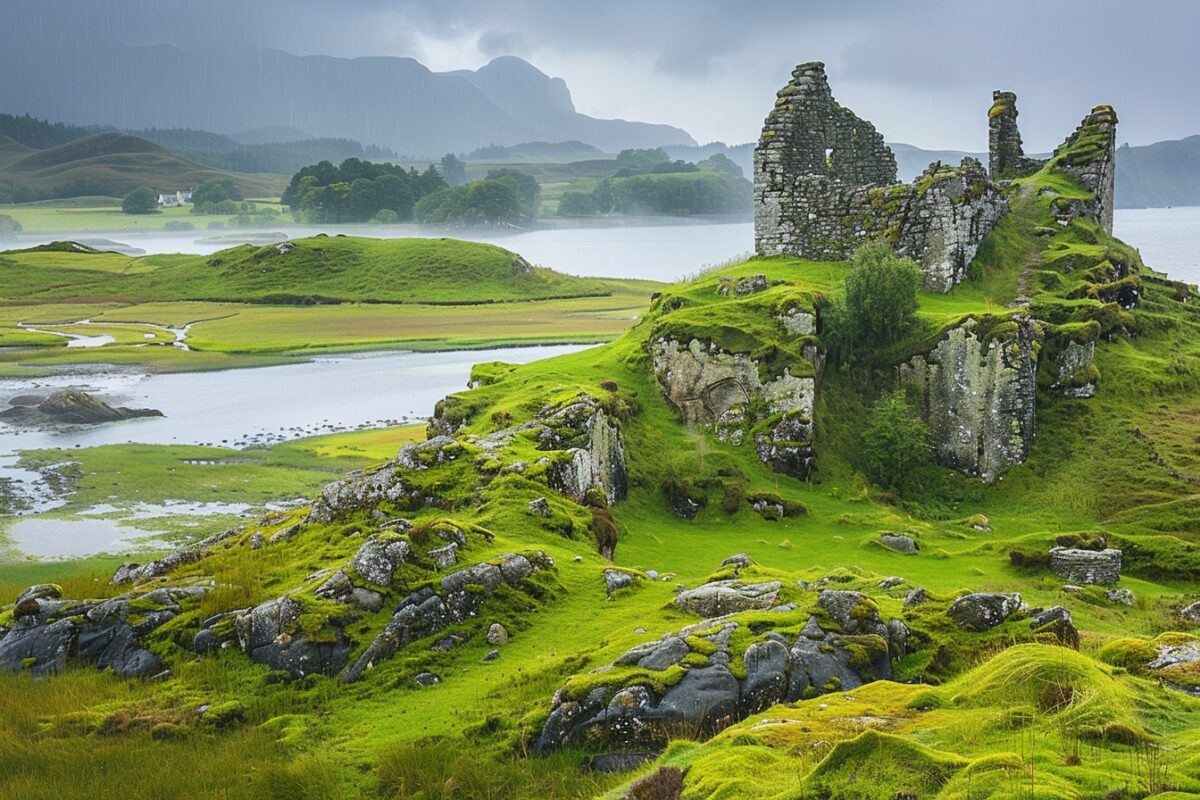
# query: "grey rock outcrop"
593,447
271,634
460,596
709,386
615,580
900,542
379,557
983,611
1075,374
133,573
709,696
1101,567
1089,156
72,407
979,395
48,631
727,597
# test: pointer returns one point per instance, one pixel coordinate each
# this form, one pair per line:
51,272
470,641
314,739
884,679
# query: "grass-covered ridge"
1007,713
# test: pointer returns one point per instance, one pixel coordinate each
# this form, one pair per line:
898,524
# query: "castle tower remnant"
1006,157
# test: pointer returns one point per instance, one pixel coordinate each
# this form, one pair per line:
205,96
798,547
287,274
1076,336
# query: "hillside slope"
114,164
609,556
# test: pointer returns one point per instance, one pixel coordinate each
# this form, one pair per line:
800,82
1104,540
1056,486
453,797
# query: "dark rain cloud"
921,70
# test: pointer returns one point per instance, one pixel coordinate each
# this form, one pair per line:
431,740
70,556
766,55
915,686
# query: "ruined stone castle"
825,182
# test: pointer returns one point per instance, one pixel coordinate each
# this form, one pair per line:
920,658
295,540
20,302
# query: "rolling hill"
321,269
115,164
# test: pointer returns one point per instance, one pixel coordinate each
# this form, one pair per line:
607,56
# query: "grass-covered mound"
349,269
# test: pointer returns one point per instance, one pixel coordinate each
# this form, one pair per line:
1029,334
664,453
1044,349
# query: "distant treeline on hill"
358,191
649,182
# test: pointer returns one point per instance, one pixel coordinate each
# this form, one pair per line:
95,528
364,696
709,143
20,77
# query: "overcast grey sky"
922,71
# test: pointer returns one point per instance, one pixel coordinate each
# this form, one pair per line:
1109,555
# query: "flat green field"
325,295
66,217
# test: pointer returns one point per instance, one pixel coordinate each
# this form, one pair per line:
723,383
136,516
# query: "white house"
179,198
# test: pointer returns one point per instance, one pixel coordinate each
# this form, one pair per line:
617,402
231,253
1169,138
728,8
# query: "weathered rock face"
1075,373
271,634
825,182
132,572
946,217
979,396
709,386
47,631
983,611
1006,157
599,461
727,597
1101,567
379,557
709,696
460,596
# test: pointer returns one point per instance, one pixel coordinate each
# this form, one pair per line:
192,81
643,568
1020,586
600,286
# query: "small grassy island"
910,520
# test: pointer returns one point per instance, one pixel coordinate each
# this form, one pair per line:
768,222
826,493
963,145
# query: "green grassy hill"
323,269
327,688
114,164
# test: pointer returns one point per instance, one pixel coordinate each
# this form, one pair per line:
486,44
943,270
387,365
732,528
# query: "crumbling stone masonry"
1006,158
825,182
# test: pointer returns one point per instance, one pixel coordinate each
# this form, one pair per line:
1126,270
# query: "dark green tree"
895,448
525,184
141,200
881,295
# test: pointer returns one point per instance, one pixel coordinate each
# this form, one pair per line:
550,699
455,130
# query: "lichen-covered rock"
1101,567
497,634
983,611
1075,373
900,542
598,460
132,573
1056,622
423,455
272,634
359,491
727,597
798,322
978,395
460,596
47,630
379,557
709,386
1120,596
616,579
706,693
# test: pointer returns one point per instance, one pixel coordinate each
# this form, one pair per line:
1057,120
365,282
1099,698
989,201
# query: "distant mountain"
111,164
392,102
1160,174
